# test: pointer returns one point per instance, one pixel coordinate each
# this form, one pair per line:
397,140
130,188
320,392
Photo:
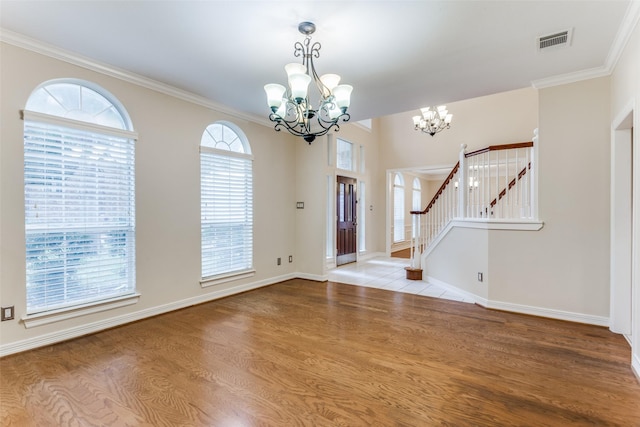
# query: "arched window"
398,208
416,205
79,197
226,202
417,195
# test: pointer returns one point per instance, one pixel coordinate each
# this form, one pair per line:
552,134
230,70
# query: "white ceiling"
398,55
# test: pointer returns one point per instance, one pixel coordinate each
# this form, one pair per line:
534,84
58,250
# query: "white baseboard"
370,255
363,256
314,277
524,309
549,312
468,295
635,365
78,331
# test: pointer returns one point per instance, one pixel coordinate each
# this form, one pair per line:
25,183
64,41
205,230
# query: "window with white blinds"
226,202
398,208
79,199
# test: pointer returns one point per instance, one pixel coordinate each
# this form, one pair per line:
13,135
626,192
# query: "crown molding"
54,52
629,22
577,76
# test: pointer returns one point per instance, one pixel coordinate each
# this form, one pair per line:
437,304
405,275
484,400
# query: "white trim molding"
548,312
54,52
524,309
313,277
628,24
370,255
218,280
574,77
466,294
484,224
47,317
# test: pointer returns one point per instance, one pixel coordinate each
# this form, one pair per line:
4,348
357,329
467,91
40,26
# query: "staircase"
493,184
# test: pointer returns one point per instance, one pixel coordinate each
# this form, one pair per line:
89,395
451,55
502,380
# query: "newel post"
533,189
463,191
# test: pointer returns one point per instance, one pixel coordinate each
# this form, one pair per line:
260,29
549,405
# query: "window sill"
217,280
47,317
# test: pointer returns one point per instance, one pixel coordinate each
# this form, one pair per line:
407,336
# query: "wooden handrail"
475,153
511,184
440,190
500,147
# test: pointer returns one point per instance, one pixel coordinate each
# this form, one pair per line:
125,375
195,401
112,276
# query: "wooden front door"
346,202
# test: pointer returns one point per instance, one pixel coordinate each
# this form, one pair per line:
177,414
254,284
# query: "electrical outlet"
290,258
279,261
479,277
7,313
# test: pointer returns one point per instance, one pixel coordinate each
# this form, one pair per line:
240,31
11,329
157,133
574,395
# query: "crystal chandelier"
291,107
433,120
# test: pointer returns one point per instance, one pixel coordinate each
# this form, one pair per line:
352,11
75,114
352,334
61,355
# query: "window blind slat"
79,216
226,212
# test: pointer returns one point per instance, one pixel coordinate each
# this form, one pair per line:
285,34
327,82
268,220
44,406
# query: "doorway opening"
622,214
347,221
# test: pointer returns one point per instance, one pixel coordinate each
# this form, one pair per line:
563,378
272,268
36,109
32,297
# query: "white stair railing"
496,182
500,181
435,217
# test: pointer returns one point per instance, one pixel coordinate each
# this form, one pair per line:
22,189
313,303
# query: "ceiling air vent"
563,38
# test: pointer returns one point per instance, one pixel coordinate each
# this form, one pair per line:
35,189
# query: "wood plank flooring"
402,253
302,353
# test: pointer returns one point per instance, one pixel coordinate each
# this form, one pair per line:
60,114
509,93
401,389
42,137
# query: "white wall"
167,196
565,266
458,259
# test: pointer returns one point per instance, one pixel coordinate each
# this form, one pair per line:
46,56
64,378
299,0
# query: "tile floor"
389,273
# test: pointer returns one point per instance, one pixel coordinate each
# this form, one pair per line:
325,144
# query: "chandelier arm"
289,107
292,129
304,130
344,116
298,50
326,130
315,49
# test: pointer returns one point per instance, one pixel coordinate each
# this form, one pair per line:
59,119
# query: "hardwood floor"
304,353
402,253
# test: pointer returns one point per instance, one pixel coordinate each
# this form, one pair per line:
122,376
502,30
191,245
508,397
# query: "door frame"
335,218
625,221
621,231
